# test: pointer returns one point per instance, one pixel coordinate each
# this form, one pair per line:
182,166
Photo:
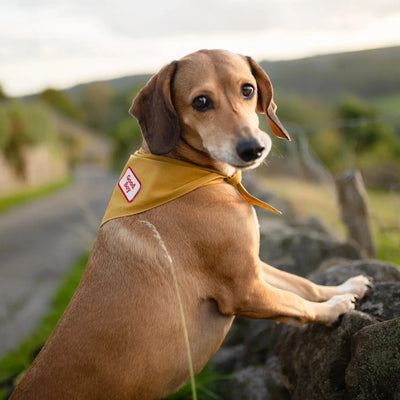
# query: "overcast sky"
59,43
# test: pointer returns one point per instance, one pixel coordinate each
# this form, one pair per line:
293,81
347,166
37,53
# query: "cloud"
209,16
45,42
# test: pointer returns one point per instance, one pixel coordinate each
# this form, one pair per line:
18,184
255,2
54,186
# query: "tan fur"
121,336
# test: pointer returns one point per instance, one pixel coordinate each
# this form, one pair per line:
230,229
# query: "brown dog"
122,335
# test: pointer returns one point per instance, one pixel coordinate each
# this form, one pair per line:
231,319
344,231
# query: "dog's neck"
185,152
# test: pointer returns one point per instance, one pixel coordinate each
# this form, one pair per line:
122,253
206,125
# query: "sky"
60,43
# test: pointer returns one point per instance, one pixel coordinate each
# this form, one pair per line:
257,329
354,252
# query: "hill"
122,84
368,73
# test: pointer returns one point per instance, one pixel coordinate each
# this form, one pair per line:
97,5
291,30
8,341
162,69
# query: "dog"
188,266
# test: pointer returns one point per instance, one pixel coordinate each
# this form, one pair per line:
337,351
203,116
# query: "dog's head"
209,100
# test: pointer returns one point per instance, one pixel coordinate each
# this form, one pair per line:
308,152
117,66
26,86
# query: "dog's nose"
249,149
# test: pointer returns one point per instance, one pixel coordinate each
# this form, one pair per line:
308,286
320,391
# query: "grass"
21,196
207,384
385,211
14,363
307,198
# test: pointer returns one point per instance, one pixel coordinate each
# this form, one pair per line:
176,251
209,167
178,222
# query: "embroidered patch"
129,184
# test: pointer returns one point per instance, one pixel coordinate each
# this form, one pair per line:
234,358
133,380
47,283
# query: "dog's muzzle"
249,149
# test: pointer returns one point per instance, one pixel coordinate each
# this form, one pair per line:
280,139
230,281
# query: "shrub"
22,125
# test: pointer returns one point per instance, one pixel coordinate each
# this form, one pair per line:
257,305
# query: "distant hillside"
122,84
368,73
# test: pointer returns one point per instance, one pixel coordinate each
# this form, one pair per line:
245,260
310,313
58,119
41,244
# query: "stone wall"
358,358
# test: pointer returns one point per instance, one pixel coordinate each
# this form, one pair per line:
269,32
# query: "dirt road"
39,241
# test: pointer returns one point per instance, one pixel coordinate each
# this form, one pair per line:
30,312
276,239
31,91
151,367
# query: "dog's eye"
248,90
202,103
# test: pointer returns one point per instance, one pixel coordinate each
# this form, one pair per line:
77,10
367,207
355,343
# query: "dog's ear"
155,112
266,103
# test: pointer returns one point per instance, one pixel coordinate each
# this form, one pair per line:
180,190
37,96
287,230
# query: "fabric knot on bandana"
148,181
235,179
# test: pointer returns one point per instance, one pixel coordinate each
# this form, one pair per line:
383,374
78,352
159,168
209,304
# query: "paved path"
39,241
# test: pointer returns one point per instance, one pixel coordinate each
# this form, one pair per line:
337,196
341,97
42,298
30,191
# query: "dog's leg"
290,307
261,300
357,285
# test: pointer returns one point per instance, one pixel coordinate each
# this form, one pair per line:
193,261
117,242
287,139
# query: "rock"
246,354
377,302
249,342
374,368
300,246
380,271
311,223
383,300
249,384
275,386
228,359
262,336
359,357
312,360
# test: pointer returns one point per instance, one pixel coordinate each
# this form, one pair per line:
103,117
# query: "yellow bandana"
148,181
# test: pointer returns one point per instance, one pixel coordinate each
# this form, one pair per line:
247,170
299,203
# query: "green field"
22,196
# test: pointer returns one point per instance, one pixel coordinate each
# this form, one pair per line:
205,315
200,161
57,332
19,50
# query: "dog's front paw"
336,306
358,285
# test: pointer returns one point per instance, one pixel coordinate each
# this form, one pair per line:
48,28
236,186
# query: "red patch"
129,184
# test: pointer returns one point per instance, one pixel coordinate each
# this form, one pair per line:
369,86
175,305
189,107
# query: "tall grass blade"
157,235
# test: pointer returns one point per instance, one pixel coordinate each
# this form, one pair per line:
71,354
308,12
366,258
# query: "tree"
127,137
359,137
60,101
365,131
2,94
97,104
23,125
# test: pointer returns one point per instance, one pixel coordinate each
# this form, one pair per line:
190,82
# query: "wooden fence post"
352,198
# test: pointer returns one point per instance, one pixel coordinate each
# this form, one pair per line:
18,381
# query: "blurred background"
70,69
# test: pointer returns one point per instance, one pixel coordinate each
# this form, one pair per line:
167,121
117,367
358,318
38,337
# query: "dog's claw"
370,283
